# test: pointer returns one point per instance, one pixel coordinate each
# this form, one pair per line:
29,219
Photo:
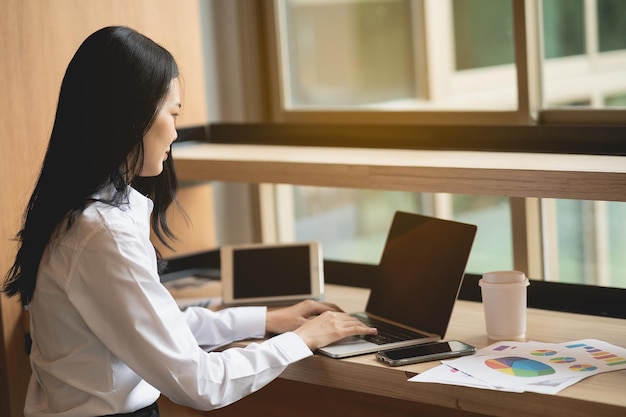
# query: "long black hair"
110,94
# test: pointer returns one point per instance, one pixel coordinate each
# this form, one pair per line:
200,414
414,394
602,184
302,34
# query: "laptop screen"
421,270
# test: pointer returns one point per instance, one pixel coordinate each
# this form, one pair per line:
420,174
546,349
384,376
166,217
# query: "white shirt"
109,338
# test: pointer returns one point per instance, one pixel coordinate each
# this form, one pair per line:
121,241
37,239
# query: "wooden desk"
363,386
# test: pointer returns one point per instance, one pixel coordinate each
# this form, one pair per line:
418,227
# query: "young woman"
107,337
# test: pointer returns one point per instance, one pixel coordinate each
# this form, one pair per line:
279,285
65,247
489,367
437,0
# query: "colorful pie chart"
582,368
516,366
543,352
563,359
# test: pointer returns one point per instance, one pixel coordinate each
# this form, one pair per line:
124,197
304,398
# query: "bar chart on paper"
608,358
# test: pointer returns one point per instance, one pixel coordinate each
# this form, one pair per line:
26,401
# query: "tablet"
268,274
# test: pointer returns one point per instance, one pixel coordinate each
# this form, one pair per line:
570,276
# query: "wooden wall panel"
37,40
195,231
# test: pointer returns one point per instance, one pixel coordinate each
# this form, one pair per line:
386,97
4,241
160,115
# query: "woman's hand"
318,324
290,318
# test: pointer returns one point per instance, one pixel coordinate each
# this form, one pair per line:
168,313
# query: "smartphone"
425,352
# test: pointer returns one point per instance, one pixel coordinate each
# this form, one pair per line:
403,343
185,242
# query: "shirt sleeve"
213,329
117,291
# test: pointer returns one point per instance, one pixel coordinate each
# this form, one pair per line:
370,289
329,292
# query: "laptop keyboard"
387,332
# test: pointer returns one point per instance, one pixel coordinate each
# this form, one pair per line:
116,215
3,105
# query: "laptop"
418,281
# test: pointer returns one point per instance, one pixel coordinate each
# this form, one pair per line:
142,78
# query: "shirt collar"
142,206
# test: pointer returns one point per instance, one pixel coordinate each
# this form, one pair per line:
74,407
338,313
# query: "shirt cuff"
250,322
291,345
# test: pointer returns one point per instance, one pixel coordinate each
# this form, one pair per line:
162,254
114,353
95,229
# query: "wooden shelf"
514,174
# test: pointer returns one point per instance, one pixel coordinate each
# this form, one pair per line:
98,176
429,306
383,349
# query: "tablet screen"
266,274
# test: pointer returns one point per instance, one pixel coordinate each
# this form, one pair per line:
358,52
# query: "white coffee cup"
504,303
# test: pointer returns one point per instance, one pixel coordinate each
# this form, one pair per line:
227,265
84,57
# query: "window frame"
422,9
528,64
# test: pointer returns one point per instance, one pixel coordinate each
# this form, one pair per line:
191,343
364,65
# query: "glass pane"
352,225
383,55
571,251
612,30
483,33
616,212
591,243
615,100
563,28
349,52
493,245
585,53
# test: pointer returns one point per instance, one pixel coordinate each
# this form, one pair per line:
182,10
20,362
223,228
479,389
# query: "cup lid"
502,277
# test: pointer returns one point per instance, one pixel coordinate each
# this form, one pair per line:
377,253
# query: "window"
370,46
353,224
396,55
483,33
442,63
402,55
584,56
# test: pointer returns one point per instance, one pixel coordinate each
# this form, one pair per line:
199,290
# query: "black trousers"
149,411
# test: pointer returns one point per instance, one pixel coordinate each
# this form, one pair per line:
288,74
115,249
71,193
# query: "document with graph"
545,368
